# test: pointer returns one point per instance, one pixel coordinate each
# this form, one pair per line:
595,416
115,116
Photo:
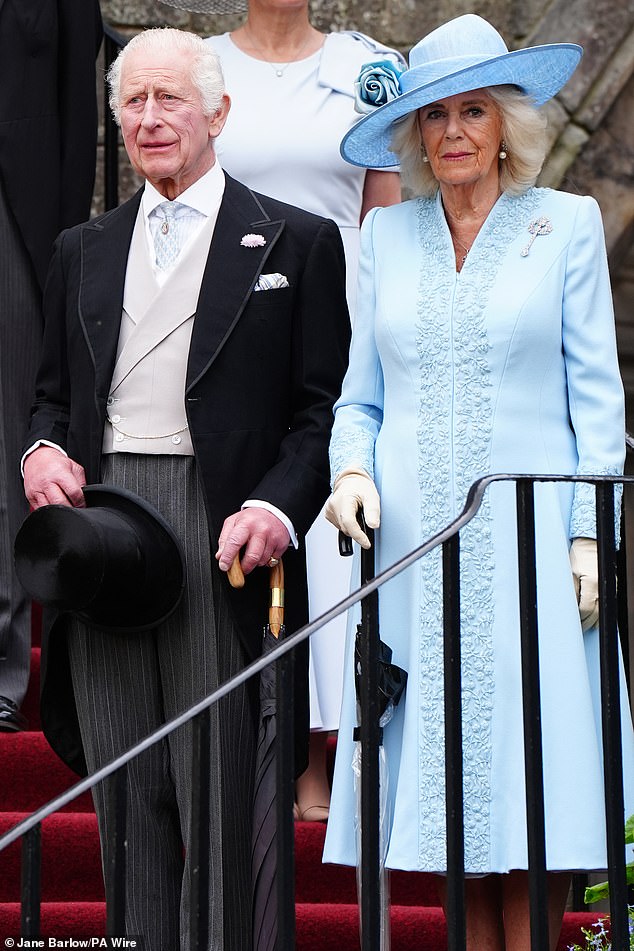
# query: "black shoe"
11,720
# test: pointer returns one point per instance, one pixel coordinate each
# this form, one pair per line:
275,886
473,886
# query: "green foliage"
602,890
597,892
597,937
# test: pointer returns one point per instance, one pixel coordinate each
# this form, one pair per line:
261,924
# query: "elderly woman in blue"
484,342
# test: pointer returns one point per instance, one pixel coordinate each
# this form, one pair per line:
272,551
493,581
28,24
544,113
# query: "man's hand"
51,478
264,535
352,490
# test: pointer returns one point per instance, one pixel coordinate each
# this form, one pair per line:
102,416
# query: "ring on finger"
272,562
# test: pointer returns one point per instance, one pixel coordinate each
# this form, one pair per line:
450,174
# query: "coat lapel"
104,257
231,273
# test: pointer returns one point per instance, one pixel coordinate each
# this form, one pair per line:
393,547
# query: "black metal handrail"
255,667
449,539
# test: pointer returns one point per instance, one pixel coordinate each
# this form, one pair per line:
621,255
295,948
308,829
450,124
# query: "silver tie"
167,240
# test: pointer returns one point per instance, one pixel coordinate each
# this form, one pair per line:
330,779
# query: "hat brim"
55,566
539,71
209,6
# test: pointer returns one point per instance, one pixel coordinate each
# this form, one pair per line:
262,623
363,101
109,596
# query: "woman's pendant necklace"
280,68
462,247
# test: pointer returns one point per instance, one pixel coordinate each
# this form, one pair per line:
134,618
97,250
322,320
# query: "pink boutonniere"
253,241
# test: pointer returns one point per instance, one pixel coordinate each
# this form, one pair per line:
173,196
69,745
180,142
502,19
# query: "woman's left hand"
585,573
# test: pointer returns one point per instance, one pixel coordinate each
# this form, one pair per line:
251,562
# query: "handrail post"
199,832
533,762
117,793
31,882
370,737
611,717
456,910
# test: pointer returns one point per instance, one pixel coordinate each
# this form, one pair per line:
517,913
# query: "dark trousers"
127,685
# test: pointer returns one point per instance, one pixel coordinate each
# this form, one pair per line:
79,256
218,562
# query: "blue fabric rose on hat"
377,84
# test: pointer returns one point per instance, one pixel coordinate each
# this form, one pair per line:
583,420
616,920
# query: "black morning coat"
264,370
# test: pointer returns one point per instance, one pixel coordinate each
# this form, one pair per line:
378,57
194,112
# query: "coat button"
116,418
119,437
176,440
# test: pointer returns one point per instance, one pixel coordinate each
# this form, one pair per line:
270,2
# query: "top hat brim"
50,566
539,71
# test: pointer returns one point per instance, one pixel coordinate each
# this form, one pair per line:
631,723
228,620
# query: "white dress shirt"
201,200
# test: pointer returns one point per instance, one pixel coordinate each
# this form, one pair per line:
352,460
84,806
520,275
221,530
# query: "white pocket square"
269,282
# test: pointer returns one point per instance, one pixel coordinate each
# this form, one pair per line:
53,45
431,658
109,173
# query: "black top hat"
116,564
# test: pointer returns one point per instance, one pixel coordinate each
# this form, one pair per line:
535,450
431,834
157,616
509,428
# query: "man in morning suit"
48,145
204,383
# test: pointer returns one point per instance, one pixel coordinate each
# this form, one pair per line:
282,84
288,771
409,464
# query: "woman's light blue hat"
463,54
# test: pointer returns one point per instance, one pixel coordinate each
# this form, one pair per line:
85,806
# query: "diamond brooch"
535,228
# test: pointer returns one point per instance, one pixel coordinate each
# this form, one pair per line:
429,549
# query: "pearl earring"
503,150
423,154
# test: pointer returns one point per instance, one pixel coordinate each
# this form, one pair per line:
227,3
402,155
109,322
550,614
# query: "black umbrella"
264,843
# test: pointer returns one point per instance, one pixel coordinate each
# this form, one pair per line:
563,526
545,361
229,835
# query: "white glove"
354,488
585,574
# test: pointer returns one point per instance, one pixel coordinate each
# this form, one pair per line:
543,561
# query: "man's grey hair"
206,72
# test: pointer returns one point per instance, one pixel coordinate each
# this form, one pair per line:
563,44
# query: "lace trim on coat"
583,519
453,348
351,447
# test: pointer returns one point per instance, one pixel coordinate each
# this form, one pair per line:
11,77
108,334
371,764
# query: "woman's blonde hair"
523,133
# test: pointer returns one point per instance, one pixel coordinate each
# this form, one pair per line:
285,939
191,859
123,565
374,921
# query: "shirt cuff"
36,445
286,522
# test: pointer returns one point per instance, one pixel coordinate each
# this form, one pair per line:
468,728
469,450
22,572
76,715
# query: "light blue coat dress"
508,366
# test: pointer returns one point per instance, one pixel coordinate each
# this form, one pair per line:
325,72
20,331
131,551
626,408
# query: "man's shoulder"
127,208
277,210
291,213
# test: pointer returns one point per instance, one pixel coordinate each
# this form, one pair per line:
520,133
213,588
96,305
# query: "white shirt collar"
203,196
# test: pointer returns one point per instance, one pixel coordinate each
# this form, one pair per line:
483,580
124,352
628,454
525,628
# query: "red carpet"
72,887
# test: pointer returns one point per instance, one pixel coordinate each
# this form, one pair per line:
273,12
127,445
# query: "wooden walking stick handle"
276,606
235,573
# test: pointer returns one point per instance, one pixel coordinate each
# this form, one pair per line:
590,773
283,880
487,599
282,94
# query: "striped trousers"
127,685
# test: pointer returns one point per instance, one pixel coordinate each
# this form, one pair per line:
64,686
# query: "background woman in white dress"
484,342
292,100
